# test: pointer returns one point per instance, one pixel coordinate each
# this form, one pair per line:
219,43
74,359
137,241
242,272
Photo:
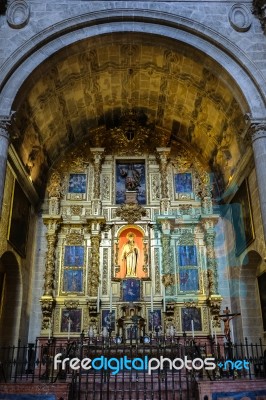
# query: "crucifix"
226,317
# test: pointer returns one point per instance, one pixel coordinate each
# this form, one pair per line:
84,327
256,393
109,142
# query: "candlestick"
151,298
68,329
192,328
111,298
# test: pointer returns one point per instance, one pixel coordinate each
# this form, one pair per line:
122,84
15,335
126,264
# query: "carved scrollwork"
71,304
131,212
168,280
55,187
191,303
47,305
74,239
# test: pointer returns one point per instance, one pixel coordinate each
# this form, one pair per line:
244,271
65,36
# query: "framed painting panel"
262,291
19,220
183,182
188,280
72,316
242,218
191,314
108,319
73,280
155,319
130,177
77,183
187,255
74,256
131,290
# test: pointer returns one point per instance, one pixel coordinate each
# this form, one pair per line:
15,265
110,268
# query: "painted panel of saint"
72,316
77,183
155,319
191,314
108,319
189,280
130,177
131,290
74,256
187,255
72,280
183,182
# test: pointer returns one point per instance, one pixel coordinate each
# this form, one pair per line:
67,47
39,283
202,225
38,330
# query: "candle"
111,298
151,298
98,300
49,329
68,329
192,328
215,336
164,300
212,328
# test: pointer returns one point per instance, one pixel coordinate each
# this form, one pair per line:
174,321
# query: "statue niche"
130,255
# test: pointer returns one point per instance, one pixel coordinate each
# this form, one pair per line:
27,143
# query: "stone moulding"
18,14
240,18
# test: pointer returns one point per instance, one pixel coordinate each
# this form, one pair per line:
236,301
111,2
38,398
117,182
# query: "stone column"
4,143
258,136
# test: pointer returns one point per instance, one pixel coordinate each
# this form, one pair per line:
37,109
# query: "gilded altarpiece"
117,255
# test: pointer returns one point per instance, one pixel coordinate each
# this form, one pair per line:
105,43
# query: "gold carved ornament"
131,212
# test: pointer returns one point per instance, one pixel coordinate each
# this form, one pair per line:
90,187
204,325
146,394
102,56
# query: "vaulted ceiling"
90,84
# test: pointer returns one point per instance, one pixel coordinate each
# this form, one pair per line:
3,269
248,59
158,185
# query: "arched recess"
250,307
11,299
39,48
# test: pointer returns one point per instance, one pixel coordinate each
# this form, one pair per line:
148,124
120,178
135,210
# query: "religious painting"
72,316
19,221
183,182
77,183
262,291
187,255
131,290
155,319
191,314
108,319
188,280
130,177
72,280
74,256
242,218
130,253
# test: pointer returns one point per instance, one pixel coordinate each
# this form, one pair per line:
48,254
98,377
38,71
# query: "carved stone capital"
5,123
131,212
96,224
257,129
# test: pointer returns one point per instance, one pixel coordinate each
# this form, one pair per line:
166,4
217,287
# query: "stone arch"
249,297
11,299
31,54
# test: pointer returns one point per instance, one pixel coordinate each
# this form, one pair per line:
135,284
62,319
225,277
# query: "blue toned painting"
72,280
183,182
108,319
155,319
131,290
72,316
74,256
130,177
189,314
248,395
77,183
187,255
189,280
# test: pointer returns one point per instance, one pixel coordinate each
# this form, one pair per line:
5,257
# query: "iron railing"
34,362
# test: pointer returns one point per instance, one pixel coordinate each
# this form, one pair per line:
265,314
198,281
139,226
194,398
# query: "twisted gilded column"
4,143
47,300
98,156
258,137
163,157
